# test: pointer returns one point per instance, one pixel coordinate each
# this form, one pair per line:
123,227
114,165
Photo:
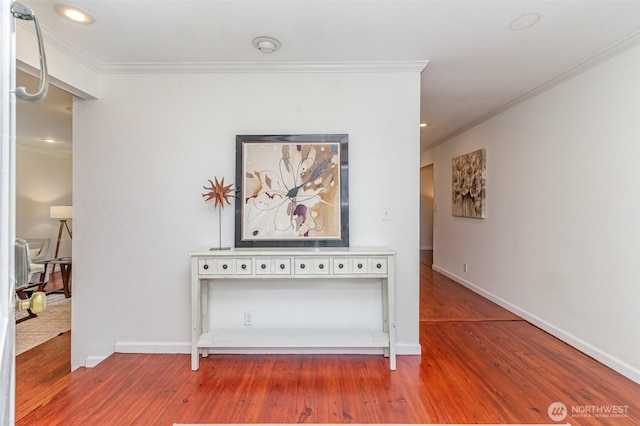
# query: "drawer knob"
340,265
282,266
359,265
225,266
379,265
244,266
263,266
205,266
302,266
321,266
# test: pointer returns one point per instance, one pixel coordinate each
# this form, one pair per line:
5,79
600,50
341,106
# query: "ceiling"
50,119
478,65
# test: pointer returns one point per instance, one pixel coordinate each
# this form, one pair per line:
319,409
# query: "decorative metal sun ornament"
219,192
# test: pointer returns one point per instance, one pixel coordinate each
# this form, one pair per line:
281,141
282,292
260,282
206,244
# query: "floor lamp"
62,213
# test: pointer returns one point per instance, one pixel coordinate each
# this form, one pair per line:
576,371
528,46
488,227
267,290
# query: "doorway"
44,178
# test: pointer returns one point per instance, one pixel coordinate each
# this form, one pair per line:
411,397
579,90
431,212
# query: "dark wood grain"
479,364
41,373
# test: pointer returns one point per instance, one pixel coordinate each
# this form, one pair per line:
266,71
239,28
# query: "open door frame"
7,214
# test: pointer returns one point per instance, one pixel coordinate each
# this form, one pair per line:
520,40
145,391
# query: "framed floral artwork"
294,191
468,180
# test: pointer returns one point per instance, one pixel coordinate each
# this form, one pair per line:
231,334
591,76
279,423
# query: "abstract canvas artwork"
468,184
294,190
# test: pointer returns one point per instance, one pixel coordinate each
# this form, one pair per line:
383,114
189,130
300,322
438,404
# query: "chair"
38,253
39,249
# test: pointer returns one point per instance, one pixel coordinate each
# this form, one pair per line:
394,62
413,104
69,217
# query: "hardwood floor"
479,364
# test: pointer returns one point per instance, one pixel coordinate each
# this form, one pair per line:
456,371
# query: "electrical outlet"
248,318
466,269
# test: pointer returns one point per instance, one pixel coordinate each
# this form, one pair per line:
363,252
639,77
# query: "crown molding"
43,151
221,67
621,46
260,67
64,46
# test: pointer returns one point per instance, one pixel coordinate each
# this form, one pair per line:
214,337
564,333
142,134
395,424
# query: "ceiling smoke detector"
266,44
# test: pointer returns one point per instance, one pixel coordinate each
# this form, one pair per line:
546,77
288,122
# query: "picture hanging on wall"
294,191
468,184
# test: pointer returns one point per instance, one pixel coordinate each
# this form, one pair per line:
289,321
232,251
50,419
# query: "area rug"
53,321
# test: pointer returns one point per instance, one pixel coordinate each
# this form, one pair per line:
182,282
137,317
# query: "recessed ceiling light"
525,21
73,13
266,44
49,140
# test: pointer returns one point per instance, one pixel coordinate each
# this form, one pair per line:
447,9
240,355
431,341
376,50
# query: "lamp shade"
61,212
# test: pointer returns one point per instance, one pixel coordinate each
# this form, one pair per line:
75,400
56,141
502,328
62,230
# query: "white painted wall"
143,151
43,179
426,207
561,239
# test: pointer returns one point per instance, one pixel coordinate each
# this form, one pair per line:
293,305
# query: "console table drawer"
358,265
273,266
341,265
206,266
378,265
213,266
243,267
311,266
225,266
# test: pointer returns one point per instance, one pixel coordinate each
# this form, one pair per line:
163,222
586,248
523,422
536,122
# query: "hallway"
479,364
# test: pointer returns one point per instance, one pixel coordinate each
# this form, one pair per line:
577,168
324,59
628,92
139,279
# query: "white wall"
561,239
43,179
143,151
426,207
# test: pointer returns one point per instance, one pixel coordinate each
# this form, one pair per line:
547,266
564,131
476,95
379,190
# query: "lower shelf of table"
293,338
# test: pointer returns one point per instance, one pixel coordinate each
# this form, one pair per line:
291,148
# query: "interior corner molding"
64,46
259,67
601,56
43,151
220,67
91,361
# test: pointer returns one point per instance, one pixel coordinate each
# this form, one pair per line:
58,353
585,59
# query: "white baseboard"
408,349
153,347
92,361
596,353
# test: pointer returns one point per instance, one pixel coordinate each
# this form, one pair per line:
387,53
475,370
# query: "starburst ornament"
219,192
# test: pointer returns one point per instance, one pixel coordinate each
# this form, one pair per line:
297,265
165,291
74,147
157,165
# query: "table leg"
66,275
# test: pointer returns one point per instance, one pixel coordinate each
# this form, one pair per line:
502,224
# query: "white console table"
313,263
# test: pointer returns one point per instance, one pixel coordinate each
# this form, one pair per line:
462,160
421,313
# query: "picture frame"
468,185
293,190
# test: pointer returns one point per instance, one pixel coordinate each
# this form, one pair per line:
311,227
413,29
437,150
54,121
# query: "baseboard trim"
153,347
408,349
92,361
596,353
